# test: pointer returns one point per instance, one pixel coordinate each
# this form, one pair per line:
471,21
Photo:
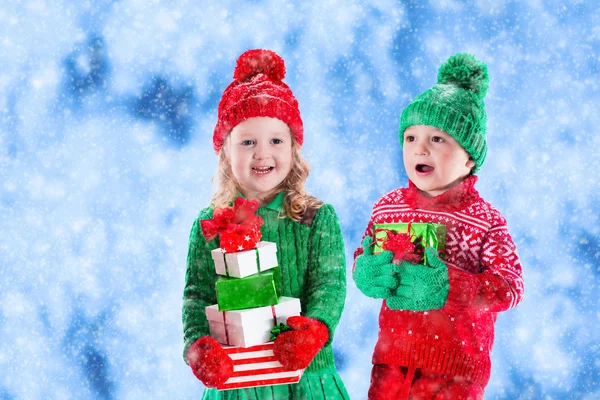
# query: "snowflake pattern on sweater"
485,278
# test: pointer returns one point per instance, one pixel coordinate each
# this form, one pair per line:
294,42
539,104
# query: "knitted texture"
257,91
296,348
396,382
421,287
312,263
209,362
323,384
375,275
455,105
485,278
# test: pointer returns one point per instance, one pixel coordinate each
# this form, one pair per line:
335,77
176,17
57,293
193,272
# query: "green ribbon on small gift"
279,329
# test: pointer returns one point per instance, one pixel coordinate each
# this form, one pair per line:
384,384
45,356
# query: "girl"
258,137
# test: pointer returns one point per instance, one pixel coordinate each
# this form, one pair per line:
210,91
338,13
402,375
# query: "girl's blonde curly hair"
296,199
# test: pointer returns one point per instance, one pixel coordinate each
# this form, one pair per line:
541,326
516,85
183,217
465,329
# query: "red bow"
402,245
238,219
403,248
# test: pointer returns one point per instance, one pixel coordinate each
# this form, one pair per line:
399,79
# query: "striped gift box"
256,366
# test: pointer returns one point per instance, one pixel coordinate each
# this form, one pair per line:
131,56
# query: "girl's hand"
209,362
296,348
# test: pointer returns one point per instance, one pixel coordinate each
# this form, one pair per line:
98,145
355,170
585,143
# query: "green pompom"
464,71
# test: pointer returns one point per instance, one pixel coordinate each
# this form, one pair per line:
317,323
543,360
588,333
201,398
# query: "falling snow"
106,118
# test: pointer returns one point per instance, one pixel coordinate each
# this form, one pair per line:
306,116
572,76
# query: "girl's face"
434,160
261,156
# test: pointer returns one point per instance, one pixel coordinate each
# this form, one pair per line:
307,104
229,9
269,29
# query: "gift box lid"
265,246
267,259
286,306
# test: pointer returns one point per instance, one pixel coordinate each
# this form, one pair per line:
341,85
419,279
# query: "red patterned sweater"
485,278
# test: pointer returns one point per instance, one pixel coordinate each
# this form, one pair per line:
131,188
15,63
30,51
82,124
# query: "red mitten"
209,362
296,348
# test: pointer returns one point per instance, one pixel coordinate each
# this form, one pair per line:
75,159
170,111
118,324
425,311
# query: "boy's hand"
375,275
422,287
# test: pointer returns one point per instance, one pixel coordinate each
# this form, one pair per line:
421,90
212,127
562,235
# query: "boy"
436,325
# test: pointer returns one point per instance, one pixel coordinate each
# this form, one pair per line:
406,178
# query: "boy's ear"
470,163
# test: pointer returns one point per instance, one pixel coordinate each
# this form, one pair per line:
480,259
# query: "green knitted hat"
455,105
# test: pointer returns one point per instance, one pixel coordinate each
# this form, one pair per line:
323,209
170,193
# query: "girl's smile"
262,170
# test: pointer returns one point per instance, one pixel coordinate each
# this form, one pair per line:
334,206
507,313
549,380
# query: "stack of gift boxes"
250,310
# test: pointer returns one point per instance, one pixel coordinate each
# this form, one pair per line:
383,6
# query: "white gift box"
257,366
245,263
251,326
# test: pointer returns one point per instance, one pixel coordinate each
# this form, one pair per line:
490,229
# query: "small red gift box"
240,240
238,227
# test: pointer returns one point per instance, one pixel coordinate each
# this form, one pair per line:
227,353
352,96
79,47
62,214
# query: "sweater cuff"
323,359
188,343
463,289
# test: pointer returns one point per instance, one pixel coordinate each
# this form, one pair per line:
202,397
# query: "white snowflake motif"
464,245
247,238
240,248
499,254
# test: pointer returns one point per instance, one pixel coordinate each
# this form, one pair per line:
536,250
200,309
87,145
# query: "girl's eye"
247,143
437,139
276,141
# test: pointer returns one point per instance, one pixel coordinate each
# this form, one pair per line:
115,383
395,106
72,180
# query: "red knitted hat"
257,91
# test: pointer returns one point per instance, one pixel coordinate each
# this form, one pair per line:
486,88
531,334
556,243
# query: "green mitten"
422,287
375,275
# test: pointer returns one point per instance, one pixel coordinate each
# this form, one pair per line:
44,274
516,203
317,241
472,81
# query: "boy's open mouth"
262,170
424,168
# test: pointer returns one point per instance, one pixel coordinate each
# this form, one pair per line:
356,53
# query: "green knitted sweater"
312,263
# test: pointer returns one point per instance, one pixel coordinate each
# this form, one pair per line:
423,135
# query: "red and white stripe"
257,366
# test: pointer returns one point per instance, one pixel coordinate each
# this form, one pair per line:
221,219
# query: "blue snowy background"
106,117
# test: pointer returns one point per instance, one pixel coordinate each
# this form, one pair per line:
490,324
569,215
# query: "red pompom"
259,61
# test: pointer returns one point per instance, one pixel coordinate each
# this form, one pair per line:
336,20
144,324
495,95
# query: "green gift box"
421,233
259,290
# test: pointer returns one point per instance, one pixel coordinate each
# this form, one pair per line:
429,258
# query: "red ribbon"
238,219
274,315
225,327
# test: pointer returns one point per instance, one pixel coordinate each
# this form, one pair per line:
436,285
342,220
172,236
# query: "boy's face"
434,161
261,155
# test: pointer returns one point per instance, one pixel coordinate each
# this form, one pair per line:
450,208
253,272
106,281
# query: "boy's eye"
409,138
437,139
